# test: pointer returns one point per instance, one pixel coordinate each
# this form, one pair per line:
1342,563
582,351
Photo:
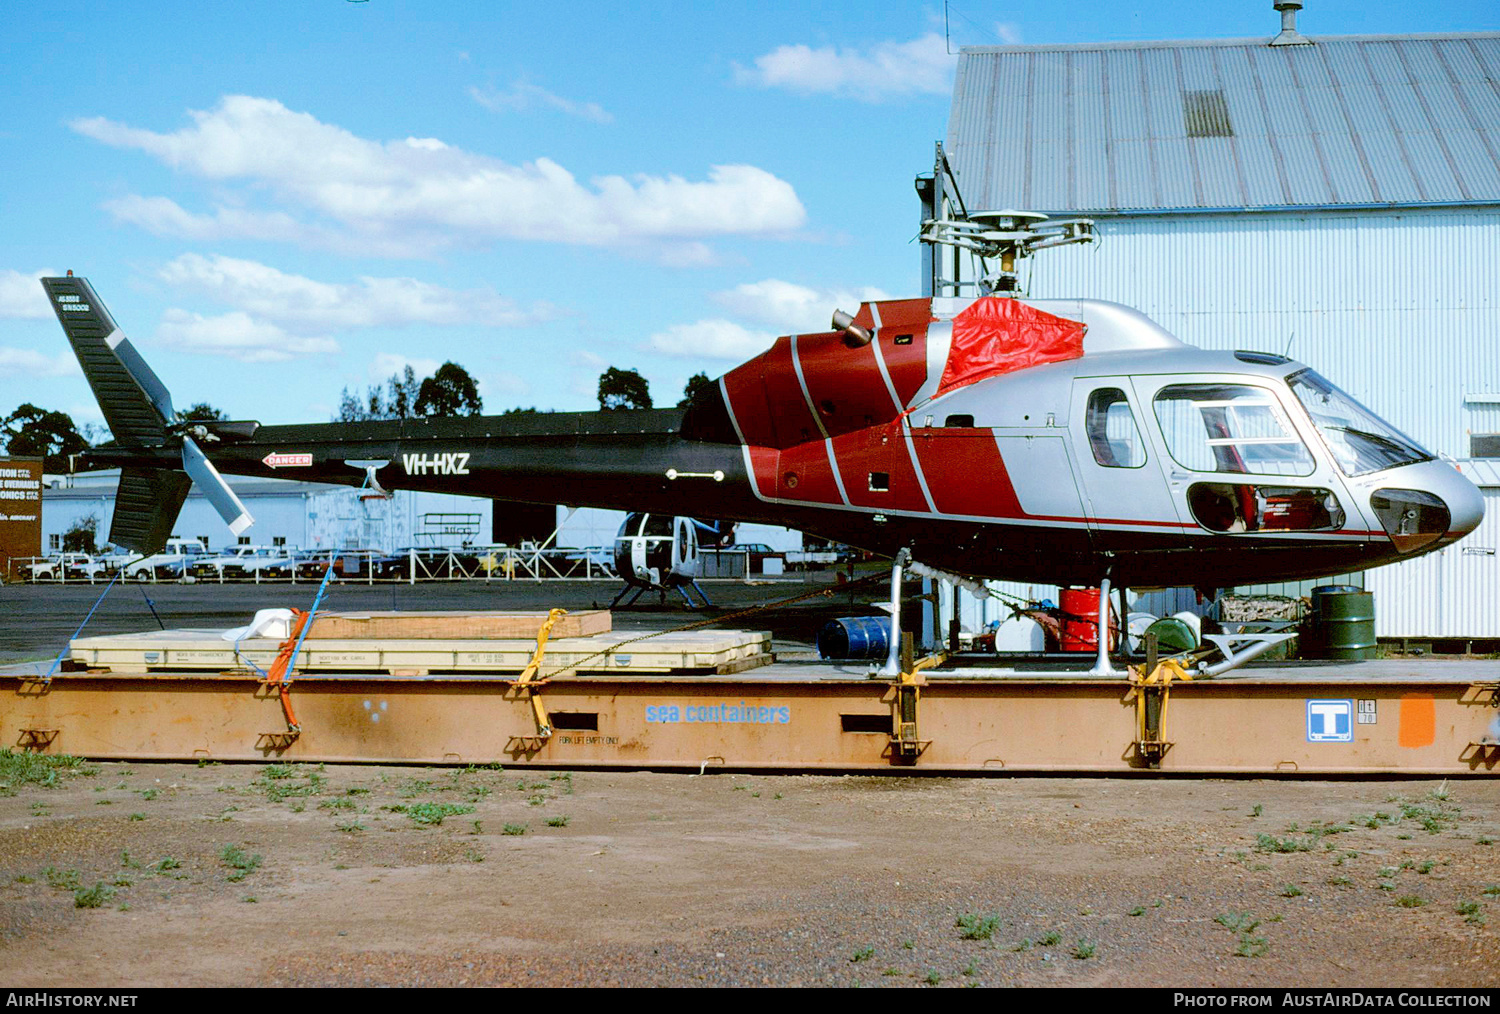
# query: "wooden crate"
457,625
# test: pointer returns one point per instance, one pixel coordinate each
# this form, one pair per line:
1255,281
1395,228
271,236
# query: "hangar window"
1113,436
1230,428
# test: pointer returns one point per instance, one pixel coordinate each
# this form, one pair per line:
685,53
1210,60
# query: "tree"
201,412
30,431
449,392
696,383
82,535
623,389
397,401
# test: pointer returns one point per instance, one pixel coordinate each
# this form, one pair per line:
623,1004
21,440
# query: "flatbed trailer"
1386,717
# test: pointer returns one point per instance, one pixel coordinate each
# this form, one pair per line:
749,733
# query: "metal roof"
1347,122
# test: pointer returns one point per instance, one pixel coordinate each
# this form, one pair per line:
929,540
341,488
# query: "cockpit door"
1126,498
1237,461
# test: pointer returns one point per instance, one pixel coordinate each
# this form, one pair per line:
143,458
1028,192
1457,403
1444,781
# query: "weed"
891,971
1268,843
137,816
277,781
1138,910
340,803
1257,810
243,864
1485,841
204,762
1084,949
513,829
1471,912
349,826
104,802
1426,867
1252,947
557,821
1339,881
63,880
122,881
972,968
932,978
19,768
1024,945
474,855
129,863
163,865
92,897
863,954
1492,890
978,927
478,792
479,827
430,814
1409,901
22,878
1291,891
356,791
249,899
536,800
779,796
1050,940
1239,922
146,794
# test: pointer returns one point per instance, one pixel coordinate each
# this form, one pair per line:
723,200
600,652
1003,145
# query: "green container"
1343,623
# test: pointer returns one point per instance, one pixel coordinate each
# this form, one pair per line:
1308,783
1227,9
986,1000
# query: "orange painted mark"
1418,722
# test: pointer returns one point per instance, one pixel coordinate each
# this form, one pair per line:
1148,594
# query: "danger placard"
287,460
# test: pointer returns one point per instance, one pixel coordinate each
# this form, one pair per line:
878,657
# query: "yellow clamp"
526,682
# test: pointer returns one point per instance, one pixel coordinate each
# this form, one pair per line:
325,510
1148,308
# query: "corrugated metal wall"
1401,309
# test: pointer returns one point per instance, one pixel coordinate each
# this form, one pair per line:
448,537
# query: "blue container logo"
1330,721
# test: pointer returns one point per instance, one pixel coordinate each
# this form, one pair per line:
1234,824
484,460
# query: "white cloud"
885,70
790,307
302,303
710,339
239,336
1009,32
386,364
30,363
585,358
495,387
22,297
524,96
423,193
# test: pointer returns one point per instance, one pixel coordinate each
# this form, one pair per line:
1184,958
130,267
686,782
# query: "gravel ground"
595,878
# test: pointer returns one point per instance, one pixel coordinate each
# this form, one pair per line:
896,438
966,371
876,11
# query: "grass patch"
236,858
430,814
163,865
561,821
1291,891
1138,910
1270,843
93,897
513,829
1471,911
863,954
1084,949
62,880
349,826
932,978
284,781
20,767
1050,940
1409,901
978,927
341,803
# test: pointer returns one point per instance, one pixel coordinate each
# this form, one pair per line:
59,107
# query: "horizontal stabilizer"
146,508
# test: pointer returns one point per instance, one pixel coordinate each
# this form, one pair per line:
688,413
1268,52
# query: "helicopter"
659,552
1061,441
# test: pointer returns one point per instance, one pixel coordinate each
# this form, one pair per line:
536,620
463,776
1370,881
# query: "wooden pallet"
454,625
699,651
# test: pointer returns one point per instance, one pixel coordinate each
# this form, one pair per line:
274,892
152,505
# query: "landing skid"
661,593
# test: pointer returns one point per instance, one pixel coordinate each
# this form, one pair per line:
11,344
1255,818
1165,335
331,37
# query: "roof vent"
1289,35
1205,114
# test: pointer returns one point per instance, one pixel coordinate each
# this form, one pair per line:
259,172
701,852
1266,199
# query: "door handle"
1179,476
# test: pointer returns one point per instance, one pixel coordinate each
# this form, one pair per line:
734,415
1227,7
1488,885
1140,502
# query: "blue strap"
63,654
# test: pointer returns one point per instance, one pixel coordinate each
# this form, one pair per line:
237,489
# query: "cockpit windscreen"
1360,441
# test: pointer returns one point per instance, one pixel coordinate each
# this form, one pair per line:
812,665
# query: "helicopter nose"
1439,507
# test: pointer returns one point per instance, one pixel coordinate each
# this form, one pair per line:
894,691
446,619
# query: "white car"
228,562
54,568
170,564
265,561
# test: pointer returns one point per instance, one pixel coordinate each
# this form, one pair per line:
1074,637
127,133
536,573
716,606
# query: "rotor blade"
203,472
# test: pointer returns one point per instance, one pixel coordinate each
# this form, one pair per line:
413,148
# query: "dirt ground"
305,875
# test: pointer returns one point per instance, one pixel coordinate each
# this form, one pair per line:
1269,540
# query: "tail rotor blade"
208,479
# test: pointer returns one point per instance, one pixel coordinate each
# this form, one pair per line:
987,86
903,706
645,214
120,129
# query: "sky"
277,201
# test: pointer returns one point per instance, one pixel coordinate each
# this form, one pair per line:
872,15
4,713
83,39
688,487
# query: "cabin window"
1230,428
1226,507
964,421
1113,435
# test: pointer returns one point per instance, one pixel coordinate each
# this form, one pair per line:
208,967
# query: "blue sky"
278,200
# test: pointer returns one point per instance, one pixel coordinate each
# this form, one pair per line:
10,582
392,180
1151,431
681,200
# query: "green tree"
449,392
201,412
398,399
623,389
82,535
30,431
696,383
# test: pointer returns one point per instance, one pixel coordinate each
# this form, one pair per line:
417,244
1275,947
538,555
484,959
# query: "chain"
835,589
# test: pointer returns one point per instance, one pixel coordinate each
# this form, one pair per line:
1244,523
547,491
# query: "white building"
1333,199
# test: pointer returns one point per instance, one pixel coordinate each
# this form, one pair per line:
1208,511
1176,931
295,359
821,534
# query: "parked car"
759,553
430,561
265,562
215,566
312,564
55,568
171,563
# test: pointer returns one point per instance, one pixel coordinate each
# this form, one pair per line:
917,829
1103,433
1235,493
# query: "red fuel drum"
1080,626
